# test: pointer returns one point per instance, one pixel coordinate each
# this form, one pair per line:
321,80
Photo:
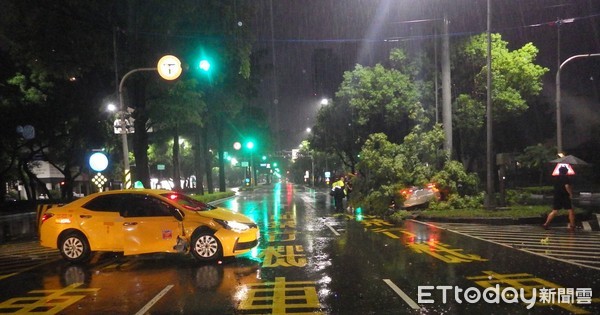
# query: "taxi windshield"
188,202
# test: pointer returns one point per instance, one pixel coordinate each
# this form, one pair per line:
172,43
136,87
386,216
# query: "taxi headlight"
233,225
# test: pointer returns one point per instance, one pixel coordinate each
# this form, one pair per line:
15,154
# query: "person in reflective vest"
337,189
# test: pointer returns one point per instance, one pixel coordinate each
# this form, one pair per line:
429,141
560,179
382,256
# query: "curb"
490,221
591,223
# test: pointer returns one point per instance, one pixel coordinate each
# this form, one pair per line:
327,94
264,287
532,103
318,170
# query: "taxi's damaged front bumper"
182,245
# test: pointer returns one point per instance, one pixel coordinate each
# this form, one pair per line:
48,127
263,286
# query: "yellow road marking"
51,302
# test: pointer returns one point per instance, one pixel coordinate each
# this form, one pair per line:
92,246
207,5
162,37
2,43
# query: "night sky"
359,31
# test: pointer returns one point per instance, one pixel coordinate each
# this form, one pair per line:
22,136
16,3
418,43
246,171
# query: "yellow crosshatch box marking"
433,248
282,224
282,237
281,297
444,253
548,293
121,265
283,256
51,302
390,232
283,216
375,222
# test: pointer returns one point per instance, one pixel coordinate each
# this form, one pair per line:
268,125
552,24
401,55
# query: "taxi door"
149,225
101,222
101,229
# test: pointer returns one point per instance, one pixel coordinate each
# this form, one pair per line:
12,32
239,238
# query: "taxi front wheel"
206,246
74,247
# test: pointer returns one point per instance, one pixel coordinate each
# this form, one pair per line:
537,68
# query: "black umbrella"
570,159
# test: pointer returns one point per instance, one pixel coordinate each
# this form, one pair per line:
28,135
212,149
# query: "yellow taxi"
140,221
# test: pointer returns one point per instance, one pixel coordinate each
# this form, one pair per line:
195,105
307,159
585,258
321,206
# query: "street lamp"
312,165
250,146
111,107
169,68
312,161
126,170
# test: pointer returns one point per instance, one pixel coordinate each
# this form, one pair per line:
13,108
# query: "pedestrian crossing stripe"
19,257
579,248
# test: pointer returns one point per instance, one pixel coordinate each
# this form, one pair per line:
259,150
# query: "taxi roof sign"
570,170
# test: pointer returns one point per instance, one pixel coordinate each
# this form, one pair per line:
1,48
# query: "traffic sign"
570,170
169,67
98,161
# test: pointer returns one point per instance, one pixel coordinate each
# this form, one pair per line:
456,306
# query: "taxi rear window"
188,202
105,203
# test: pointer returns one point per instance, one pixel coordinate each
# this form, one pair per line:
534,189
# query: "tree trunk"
207,161
222,187
176,170
198,169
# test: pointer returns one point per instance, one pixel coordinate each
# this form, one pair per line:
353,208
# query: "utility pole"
489,201
446,93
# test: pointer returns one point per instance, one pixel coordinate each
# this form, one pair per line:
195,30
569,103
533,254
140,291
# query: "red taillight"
46,216
406,192
173,196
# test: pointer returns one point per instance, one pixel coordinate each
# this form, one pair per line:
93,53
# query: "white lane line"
403,295
147,307
332,229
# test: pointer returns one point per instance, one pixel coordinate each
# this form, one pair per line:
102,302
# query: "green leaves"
30,93
378,95
515,75
386,167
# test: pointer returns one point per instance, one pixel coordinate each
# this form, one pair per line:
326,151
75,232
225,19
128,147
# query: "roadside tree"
370,100
536,158
516,79
192,30
385,167
176,107
57,71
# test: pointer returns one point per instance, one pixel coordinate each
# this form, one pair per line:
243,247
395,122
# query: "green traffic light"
205,65
250,145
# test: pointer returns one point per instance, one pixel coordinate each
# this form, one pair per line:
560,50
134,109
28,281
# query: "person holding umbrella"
563,193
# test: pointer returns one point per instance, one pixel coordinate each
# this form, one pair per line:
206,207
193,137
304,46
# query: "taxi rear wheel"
74,247
206,246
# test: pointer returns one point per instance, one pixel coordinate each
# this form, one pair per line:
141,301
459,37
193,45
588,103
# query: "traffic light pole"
559,142
126,170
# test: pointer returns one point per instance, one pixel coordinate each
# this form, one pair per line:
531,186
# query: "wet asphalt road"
313,261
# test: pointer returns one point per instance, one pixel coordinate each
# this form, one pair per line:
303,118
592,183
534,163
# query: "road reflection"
124,284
